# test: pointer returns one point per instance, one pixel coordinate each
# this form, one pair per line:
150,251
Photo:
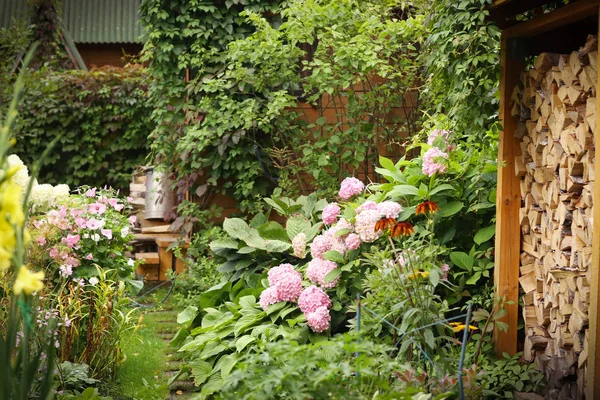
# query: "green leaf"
201,370
441,188
273,231
244,341
297,224
277,246
387,164
450,208
236,228
429,339
187,315
321,121
343,232
245,322
247,301
473,280
228,363
434,277
484,234
222,246
462,260
403,191
333,255
332,275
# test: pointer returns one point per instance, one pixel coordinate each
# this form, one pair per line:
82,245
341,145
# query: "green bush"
101,119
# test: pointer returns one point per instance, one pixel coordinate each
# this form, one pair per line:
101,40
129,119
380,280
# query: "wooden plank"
568,14
508,201
593,362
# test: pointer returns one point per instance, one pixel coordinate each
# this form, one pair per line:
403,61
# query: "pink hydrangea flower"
91,192
352,241
367,205
365,225
312,298
40,241
93,224
430,166
71,240
350,187
97,208
268,297
132,220
389,209
330,213
317,270
299,245
320,245
437,133
319,320
286,281
107,232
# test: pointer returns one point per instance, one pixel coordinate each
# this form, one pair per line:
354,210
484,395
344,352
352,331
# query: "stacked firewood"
556,106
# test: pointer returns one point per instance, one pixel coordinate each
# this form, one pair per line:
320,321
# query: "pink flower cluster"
330,240
437,133
285,284
317,270
365,225
315,305
350,187
330,213
430,161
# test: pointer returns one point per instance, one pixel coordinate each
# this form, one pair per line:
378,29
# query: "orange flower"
384,223
427,206
402,229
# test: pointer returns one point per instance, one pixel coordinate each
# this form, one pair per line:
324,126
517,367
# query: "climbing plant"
275,95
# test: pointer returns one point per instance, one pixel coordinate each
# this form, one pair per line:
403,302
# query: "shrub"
100,120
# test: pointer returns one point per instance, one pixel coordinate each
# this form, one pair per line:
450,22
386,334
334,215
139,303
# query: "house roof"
89,21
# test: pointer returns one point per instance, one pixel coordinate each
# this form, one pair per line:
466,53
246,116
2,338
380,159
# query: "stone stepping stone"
184,386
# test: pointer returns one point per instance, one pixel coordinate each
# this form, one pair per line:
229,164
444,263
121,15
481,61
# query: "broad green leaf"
243,341
187,315
247,301
387,164
228,363
403,191
462,260
277,246
333,255
440,188
236,228
332,275
484,234
450,209
434,277
273,231
343,232
201,370
245,322
297,224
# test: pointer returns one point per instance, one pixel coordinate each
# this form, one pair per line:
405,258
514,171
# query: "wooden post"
593,361
508,200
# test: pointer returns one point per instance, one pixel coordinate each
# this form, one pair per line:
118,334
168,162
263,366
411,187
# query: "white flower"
125,231
93,281
130,262
21,177
95,237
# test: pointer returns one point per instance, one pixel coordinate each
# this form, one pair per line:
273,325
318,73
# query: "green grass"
142,376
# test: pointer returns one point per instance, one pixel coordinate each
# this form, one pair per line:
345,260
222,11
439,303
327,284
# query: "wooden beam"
568,14
503,10
593,361
508,200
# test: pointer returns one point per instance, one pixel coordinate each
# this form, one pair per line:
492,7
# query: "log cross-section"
508,201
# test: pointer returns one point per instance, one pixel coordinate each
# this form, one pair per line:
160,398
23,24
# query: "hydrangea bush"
305,275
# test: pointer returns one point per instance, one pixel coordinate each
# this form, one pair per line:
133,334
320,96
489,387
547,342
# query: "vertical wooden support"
508,200
593,361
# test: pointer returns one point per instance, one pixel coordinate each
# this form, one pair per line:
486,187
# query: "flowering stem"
401,270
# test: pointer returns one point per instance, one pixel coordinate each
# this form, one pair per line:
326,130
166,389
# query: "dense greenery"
101,120
237,127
